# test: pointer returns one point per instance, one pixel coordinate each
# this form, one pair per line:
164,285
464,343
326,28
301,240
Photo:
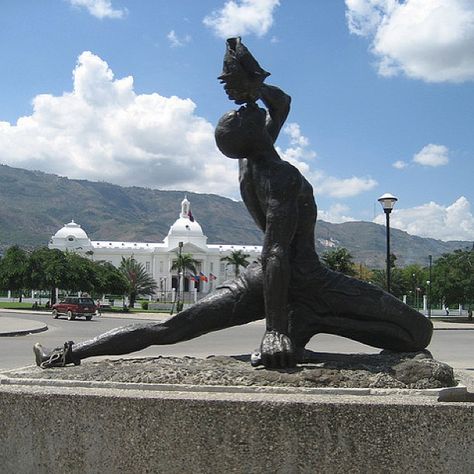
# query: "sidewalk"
16,326
440,325
19,327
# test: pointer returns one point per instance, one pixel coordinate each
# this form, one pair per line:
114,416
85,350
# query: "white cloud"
293,130
176,41
298,153
100,8
400,164
454,222
365,16
432,155
335,214
431,40
344,187
242,17
103,130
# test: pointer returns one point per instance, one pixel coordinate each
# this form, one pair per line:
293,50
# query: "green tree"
139,281
47,269
14,270
108,279
36,274
340,260
379,278
184,262
80,273
363,273
414,278
238,259
453,278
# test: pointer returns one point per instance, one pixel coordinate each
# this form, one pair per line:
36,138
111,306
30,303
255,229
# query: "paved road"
456,347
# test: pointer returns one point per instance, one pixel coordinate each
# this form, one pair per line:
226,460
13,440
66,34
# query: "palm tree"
237,258
139,281
183,262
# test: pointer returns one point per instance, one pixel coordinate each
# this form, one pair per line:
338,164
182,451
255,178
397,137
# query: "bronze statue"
297,295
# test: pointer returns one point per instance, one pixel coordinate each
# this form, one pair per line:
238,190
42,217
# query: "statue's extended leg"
324,302
332,303
233,304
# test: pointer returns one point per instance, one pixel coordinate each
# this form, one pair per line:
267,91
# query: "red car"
74,306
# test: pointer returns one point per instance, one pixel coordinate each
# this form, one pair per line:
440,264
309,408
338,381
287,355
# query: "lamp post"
388,201
430,257
415,293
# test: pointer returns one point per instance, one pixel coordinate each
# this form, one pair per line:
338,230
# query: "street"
455,347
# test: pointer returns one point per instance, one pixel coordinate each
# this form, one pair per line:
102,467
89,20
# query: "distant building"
157,258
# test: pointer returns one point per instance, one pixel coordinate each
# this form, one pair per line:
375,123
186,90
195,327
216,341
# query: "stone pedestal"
118,416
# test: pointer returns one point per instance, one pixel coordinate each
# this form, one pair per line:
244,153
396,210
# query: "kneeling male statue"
297,295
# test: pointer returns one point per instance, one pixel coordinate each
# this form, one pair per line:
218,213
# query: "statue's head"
239,133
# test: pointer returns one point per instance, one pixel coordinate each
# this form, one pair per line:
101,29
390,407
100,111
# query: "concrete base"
49,429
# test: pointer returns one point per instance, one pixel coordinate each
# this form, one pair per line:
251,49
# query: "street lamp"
415,293
430,257
388,201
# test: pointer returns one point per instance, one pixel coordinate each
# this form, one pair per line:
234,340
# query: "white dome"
185,227
70,237
71,230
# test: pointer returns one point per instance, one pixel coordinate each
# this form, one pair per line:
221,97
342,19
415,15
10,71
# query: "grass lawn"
16,305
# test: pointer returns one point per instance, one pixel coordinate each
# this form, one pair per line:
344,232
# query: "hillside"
367,243
34,205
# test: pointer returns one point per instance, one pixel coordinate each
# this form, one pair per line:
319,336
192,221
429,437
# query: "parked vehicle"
74,306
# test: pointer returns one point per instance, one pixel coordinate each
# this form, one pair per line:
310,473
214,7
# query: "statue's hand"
237,95
242,91
276,352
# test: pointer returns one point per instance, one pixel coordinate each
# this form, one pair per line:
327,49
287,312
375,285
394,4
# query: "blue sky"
126,92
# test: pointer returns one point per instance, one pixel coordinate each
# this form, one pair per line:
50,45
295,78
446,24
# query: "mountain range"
34,205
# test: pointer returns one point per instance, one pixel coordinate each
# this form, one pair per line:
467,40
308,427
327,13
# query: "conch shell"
241,75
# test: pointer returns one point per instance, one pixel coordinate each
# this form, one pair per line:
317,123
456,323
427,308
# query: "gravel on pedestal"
385,370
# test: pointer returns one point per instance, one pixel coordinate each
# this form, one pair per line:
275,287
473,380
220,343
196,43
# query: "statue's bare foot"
59,357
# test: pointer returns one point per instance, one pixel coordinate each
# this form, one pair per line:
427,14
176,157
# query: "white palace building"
157,258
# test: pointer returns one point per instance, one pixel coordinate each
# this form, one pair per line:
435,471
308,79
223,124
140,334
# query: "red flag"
202,277
190,215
